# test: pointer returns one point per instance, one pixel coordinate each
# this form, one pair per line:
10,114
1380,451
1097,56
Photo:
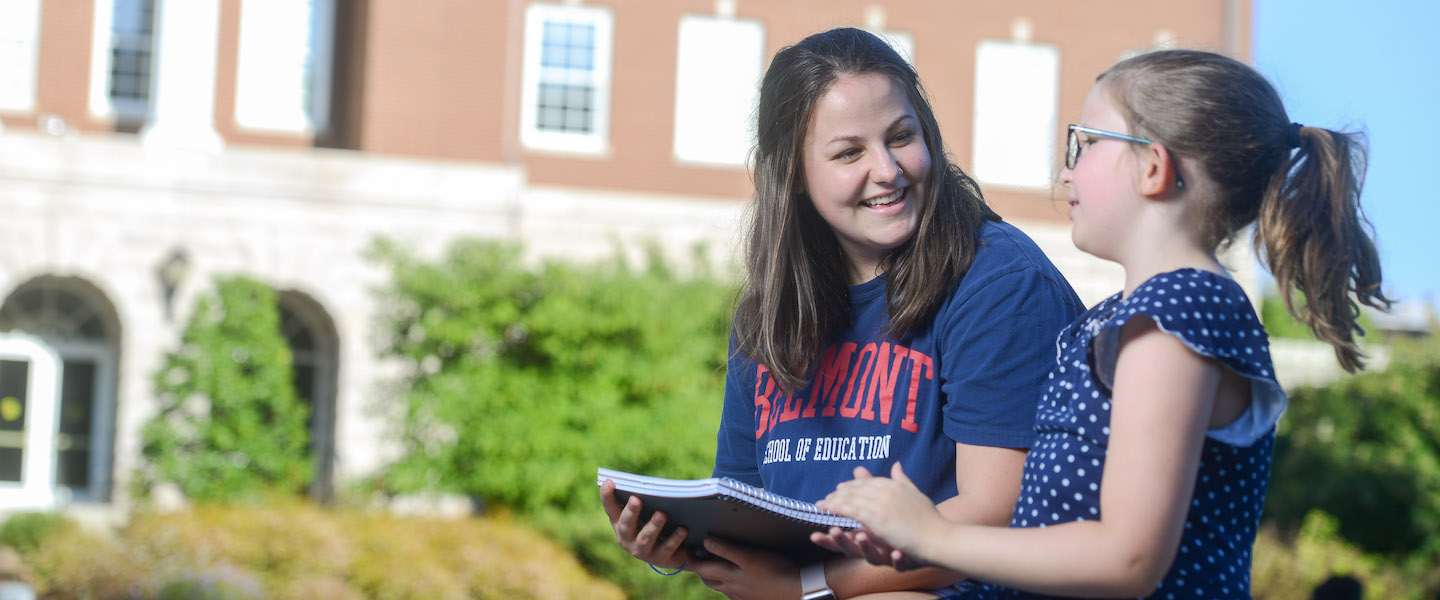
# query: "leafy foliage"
1366,450
296,550
230,425
521,382
1279,323
1291,567
24,531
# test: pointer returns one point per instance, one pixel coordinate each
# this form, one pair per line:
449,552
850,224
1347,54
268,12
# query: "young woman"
888,315
1157,422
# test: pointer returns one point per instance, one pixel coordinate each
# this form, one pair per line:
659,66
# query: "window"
121,68
1016,108
314,356
19,27
72,321
282,79
565,103
716,90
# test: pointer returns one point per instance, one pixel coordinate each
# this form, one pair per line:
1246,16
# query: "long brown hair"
1300,185
795,295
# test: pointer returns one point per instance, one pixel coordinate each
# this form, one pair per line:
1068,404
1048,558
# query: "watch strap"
812,583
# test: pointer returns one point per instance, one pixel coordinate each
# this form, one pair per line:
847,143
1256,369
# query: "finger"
853,547
874,551
650,534
672,542
863,473
825,540
608,500
629,522
898,474
722,549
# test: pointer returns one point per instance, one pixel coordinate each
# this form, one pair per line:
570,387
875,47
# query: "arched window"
314,349
72,319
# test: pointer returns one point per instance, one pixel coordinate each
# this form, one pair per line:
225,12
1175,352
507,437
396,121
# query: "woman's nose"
889,168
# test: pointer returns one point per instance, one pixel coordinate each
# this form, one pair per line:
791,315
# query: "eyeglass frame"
1072,147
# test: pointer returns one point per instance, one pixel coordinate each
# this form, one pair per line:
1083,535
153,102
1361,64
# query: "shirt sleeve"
998,348
735,442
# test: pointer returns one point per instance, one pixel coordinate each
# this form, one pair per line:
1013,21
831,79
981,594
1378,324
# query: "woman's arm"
1163,396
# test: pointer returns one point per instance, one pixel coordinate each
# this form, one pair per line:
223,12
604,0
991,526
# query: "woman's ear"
1158,175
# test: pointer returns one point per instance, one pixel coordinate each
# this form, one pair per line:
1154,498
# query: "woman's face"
865,165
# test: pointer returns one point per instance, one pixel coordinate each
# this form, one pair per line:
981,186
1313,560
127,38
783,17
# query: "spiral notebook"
729,509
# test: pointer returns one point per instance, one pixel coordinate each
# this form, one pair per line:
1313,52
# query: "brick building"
147,146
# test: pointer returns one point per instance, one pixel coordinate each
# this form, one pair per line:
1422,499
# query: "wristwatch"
812,583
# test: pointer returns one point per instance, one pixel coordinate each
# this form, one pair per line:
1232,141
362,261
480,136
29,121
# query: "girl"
887,315
1157,422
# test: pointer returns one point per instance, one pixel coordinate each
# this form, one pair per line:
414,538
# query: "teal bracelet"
677,571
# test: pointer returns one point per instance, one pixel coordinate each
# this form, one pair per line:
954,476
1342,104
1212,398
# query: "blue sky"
1373,66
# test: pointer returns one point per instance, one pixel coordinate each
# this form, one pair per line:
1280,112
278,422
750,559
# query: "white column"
187,34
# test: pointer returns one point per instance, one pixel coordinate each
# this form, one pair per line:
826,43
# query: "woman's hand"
746,573
644,541
897,519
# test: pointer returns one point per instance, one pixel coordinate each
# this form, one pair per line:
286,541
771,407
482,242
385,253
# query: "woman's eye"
903,137
847,154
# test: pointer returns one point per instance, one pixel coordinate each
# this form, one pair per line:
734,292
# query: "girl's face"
1103,198
865,164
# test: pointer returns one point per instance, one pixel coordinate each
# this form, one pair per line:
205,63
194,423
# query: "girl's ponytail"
1316,241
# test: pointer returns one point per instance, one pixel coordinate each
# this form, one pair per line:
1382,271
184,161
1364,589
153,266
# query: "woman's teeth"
891,198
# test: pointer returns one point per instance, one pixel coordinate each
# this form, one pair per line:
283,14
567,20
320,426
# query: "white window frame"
1017,99
716,91
267,67
100,102
20,51
597,140
36,488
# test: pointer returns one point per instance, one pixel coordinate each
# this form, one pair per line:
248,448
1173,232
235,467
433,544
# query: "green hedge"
523,380
295,550
230,426
1366,449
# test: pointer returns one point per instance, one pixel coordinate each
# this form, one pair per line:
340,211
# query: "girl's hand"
644,541
863,543
896,516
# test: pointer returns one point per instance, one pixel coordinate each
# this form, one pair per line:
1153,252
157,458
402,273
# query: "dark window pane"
73,468
14,388
77,398
10,460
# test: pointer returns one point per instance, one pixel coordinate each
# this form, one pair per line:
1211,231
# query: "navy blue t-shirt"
971,375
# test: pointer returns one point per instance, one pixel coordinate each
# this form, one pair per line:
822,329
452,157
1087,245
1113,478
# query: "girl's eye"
847,154
903,137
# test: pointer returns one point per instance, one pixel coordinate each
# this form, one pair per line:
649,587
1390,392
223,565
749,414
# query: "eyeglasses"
1072,147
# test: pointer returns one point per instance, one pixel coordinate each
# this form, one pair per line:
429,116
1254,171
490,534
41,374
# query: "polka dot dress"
1061,484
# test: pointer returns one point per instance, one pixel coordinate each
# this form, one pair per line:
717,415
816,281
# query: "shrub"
1290,567
230,425
23,531
523,381
300,551
1366,450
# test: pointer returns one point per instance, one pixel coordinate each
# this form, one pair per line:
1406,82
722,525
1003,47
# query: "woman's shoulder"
1007,258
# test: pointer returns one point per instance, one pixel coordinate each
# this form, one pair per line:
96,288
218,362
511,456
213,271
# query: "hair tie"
1294,137
677,571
